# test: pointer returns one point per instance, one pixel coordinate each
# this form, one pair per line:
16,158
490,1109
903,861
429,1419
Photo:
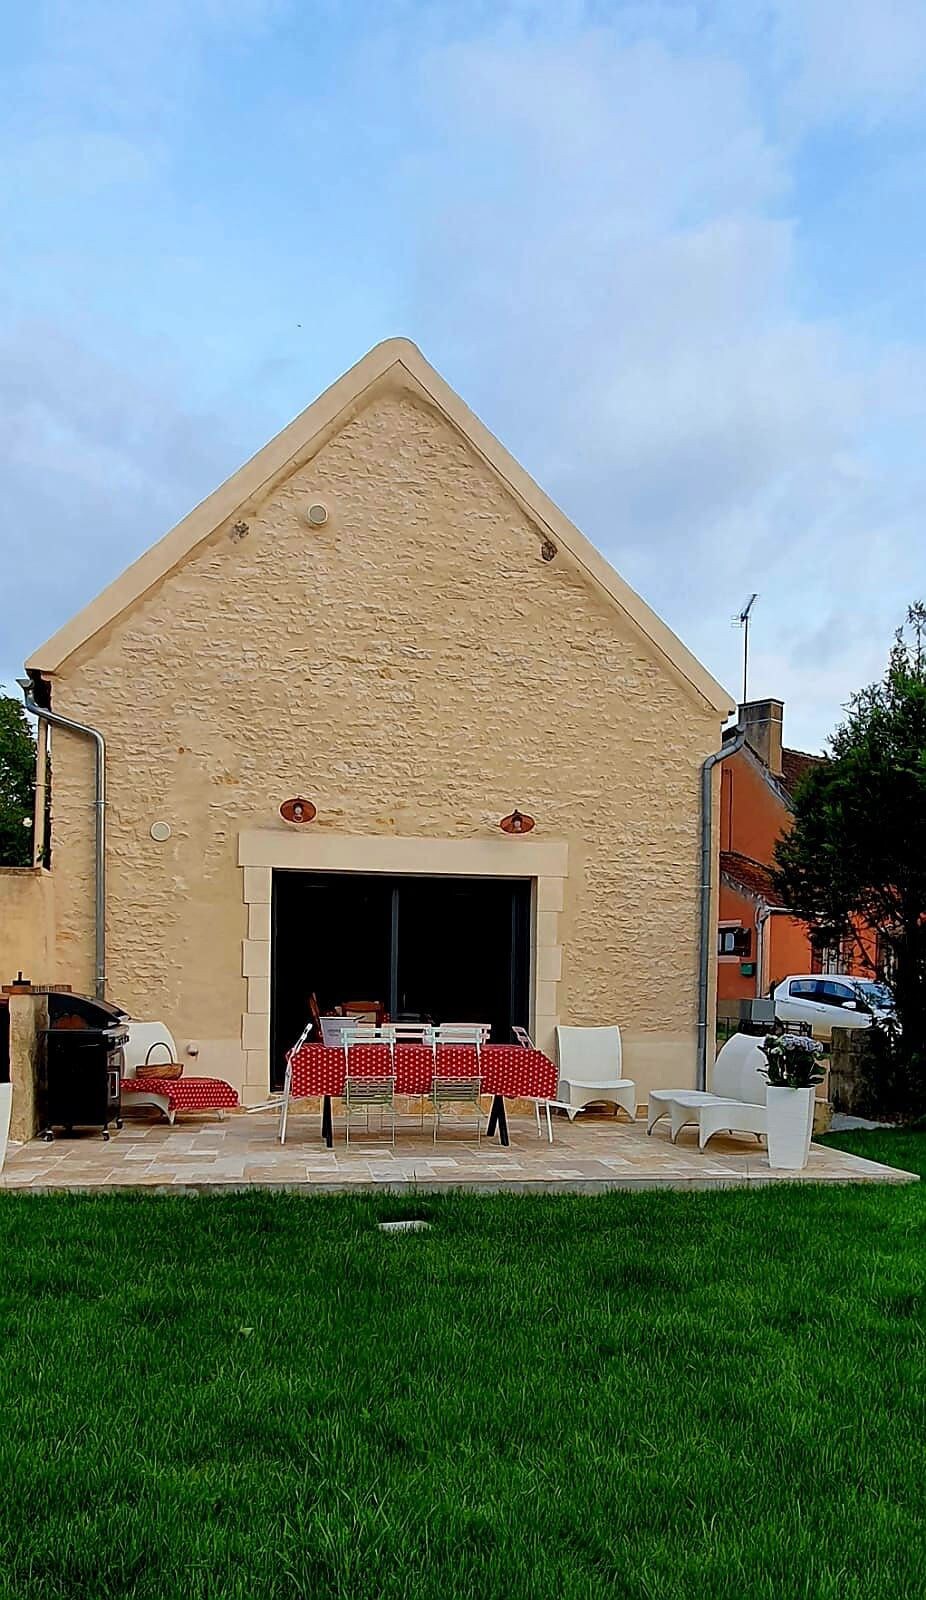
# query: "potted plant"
792,1073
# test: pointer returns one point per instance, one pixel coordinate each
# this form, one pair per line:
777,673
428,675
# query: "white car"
828,1000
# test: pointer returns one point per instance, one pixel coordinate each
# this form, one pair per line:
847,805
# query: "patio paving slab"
589,1155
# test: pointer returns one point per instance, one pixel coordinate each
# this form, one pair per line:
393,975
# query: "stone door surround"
260,850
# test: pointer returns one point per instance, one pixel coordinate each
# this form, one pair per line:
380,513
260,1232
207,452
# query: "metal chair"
477,1033
412,1033
523,1039
360,1093
363,1089
526,1042
456,1089
453,1085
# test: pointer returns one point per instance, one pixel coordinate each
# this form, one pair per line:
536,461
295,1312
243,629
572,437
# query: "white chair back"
737,1073
589,1055
368,1033
477,1033
412,1032
146,1038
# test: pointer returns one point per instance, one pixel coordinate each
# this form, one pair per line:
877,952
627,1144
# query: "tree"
854,862
17,784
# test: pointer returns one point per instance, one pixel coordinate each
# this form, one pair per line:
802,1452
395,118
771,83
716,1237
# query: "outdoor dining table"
506,1070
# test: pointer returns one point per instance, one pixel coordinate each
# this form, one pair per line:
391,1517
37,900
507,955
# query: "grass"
660,1395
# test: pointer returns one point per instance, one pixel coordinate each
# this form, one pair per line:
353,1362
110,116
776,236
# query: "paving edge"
311,1186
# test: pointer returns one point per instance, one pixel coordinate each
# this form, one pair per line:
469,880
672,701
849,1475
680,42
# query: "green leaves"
854,864
17,784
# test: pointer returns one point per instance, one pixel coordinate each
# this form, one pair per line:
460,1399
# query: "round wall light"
317,515
298,810
517,822
160,831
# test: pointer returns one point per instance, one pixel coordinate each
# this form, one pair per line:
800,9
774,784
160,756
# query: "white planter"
790,1124
6,1107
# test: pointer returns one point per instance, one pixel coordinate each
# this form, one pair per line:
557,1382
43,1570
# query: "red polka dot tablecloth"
506,1069
185,1094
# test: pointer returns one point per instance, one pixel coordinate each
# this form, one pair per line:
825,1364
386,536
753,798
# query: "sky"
672,252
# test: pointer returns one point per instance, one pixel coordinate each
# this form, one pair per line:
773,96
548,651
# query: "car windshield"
877,994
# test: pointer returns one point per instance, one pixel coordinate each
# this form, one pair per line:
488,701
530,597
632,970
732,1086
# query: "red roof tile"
795,764
752,876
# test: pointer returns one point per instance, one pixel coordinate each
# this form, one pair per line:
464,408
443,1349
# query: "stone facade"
27,924
417,668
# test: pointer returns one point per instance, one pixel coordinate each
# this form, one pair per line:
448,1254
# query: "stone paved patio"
242,1151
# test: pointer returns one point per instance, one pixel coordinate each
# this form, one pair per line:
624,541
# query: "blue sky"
672,253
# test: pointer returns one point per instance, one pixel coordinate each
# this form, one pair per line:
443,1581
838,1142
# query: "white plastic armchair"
590,1070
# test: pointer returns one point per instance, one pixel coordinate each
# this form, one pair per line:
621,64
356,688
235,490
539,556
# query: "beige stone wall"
27,924
28,1015
416,668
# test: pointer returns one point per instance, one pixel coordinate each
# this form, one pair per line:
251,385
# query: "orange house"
759,943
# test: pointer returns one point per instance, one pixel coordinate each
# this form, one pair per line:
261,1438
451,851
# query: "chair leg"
537,1115
549,1124
284,1106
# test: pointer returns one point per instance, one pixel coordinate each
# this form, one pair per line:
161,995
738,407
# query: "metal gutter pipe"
706,922
57,721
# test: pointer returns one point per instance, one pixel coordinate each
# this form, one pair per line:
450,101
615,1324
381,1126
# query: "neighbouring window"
734,942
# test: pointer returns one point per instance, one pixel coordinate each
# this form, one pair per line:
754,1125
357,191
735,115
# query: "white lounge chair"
590,1070
146,1042
735,1102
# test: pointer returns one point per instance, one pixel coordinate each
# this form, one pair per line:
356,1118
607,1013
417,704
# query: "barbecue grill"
80,1065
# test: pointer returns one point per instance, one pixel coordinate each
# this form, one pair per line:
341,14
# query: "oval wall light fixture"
298,810
517,822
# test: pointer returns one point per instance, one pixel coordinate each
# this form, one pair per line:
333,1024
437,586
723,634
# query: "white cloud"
609,238
98,464
595,230
848,58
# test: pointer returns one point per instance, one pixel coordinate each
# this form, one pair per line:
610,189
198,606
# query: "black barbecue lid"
80,1010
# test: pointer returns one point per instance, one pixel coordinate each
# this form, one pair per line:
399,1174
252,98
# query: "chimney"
762,720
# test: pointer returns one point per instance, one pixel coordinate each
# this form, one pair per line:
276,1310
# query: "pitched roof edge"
270,461
744,874
161,558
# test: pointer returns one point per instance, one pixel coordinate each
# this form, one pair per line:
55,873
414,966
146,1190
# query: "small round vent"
317,515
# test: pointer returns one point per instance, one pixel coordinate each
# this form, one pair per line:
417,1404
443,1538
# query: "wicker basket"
159,1069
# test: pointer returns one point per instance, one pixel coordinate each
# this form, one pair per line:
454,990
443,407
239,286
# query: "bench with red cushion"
182,1094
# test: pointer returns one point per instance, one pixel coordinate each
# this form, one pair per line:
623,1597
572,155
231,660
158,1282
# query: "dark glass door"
331,937
442,949
463,951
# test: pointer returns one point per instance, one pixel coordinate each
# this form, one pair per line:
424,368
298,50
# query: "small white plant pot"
6,1107
790,1124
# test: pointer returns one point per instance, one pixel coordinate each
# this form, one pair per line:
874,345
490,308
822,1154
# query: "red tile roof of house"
795,764
744,873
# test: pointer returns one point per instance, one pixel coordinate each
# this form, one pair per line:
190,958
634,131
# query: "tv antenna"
741,620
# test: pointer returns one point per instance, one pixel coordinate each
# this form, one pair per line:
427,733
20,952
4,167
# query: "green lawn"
659,1395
